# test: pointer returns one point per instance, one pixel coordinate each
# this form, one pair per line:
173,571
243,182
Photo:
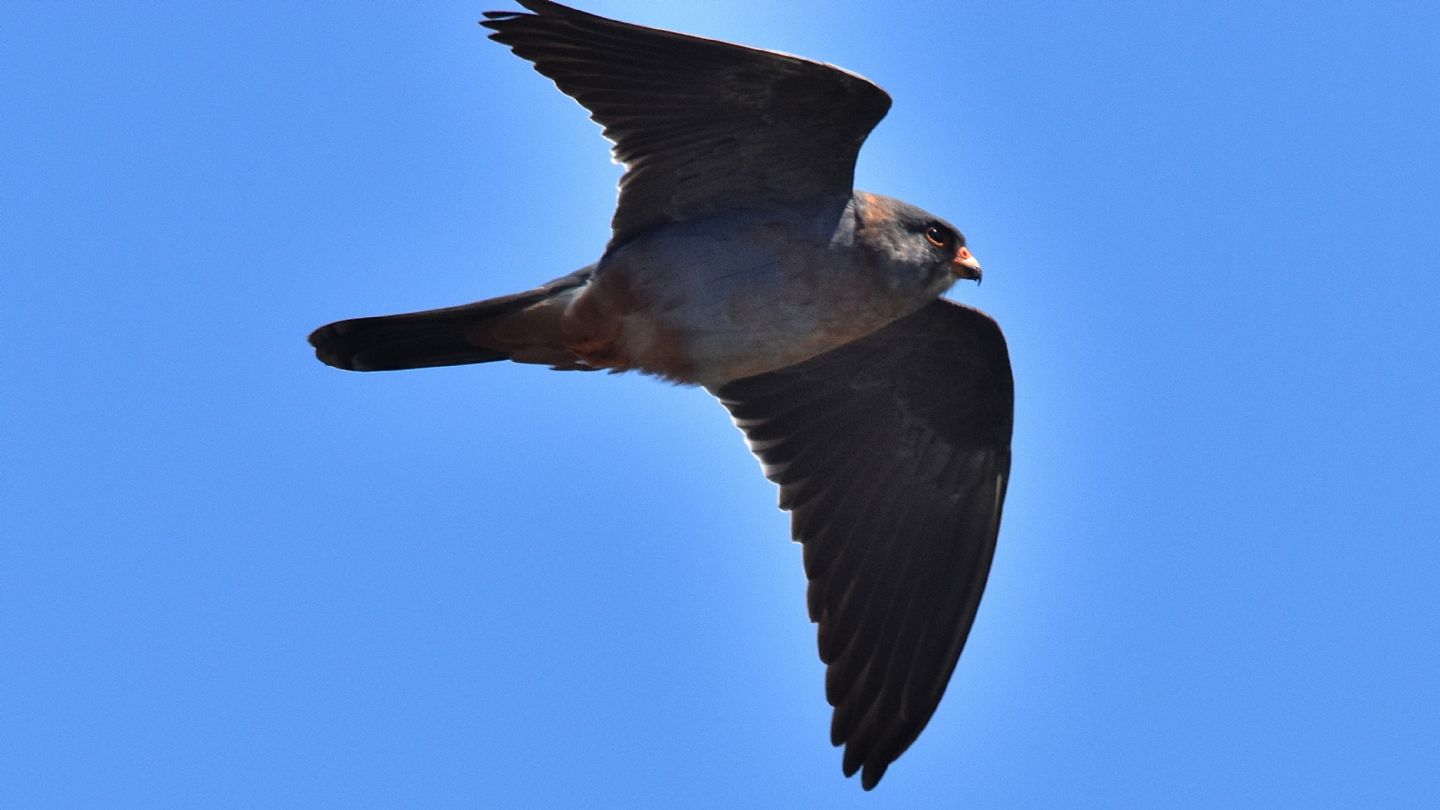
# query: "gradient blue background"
232,577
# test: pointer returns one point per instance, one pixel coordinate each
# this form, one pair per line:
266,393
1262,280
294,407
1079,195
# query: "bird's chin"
939,283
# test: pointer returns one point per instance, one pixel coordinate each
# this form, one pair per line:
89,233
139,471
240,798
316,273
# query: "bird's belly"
710,310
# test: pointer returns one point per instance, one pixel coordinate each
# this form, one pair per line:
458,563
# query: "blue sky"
233,577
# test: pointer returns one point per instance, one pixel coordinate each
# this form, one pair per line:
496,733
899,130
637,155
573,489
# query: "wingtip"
870,768
872,775
499,21
535,8
850,764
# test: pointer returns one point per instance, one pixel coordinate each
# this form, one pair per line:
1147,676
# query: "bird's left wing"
892,454
702,126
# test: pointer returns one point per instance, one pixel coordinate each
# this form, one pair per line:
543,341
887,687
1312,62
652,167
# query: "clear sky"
233,577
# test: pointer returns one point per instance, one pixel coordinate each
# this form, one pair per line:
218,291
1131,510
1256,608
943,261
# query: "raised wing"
701,126
892,454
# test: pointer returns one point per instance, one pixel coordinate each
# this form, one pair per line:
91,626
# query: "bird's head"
916,244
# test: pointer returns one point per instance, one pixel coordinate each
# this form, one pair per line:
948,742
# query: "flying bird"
742,260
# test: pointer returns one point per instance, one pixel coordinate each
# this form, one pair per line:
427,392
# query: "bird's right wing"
892,454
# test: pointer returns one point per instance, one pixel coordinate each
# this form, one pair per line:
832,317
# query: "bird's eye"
938,236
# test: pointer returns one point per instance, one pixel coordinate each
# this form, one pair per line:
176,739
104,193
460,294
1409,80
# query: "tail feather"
437,337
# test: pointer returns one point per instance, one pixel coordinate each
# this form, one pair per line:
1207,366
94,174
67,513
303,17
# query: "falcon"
742,260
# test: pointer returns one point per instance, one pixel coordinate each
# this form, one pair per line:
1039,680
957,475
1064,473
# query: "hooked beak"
965,265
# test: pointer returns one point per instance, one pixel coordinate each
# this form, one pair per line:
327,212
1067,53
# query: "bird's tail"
524,327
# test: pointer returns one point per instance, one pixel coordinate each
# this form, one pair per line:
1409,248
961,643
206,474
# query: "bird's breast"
709,302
